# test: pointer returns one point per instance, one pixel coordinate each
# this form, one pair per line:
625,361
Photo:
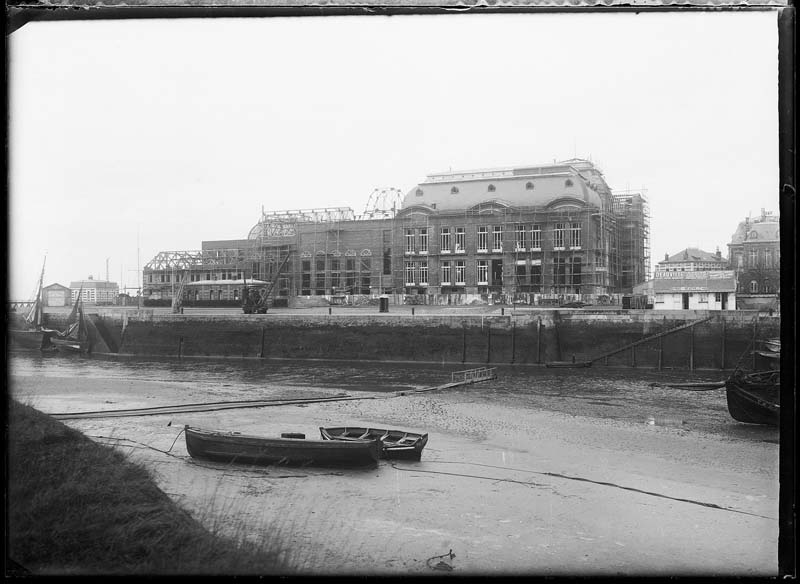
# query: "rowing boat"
395,443
242,448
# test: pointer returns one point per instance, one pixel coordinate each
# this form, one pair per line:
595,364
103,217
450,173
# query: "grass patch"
77,507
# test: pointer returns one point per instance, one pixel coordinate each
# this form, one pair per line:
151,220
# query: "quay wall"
530,338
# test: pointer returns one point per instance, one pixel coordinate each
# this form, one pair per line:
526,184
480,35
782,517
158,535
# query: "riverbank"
77,507
509,488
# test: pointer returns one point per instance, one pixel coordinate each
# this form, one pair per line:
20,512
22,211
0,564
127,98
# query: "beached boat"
28,332
568,364
75,339
395,443
241,448
754,398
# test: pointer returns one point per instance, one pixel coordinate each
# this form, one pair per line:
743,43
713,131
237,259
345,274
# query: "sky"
131,137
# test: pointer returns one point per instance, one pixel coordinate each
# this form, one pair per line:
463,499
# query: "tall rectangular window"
423,240
753,258
520,238
536,276
483,238
460,272
483,272
536,237
461,240
409,241
497,238
560,271
422,272
445,240
558,236
575,235
521,273
446,273
409,274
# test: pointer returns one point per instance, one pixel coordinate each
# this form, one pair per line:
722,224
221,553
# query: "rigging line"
581,479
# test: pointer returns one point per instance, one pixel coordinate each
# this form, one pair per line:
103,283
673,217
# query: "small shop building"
701,290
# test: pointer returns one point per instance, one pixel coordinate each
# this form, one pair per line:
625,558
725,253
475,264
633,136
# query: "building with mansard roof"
513,232
755,255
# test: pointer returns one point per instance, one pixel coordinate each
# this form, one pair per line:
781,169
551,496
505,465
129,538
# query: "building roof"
55,285
693,254
763,228
573,181
92,283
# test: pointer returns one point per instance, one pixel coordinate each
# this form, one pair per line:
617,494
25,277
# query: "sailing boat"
75,339
31,333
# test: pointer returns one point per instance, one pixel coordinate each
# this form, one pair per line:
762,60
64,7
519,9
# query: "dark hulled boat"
395,443
755,398
241,448
28,332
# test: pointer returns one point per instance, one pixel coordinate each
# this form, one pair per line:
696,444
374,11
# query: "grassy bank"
77,507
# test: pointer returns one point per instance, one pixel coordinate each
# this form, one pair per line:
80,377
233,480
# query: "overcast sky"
136,136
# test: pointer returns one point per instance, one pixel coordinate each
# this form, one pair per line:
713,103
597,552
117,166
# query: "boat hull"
240,448
753,403
395,444
30,340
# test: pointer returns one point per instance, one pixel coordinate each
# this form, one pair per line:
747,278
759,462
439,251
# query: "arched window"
454,191
753,287
752,235
529,186
419,192
766,286
491,188
568,182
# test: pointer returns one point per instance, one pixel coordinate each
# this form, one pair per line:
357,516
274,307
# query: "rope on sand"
571,478
441,565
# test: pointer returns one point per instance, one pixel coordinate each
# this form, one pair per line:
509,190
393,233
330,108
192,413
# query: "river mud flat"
509,484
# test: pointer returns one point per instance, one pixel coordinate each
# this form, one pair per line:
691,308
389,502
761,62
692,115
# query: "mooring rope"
563,476
441,565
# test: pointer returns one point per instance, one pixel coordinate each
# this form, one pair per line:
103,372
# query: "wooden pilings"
261,352
513,341
722,361
180,347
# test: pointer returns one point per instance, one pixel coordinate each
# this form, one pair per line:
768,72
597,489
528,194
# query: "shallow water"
616,394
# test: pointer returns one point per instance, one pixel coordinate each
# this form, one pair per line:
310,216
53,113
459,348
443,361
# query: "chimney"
719,254
686,254
666,257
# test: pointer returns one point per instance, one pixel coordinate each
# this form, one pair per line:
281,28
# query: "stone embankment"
634,338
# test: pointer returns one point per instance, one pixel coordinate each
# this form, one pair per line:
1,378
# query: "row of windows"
335,265
766,258
526,237
454,272
491,188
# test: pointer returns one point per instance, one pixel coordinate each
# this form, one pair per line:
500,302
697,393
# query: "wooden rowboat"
241,448
395,443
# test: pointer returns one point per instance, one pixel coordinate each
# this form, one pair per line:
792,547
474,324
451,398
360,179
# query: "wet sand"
510,490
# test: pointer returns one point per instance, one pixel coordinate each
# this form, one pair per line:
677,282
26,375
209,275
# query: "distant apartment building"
755,255
692,259
94,291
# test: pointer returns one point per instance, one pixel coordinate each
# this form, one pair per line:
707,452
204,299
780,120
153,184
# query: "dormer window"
491,188
454,191
529,186
568,182
419,192
752,235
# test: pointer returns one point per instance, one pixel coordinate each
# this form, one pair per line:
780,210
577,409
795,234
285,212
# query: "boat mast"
35,315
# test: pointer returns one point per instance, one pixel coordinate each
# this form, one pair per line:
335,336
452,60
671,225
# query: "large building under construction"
521,232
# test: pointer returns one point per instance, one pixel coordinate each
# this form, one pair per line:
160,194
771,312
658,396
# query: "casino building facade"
525,233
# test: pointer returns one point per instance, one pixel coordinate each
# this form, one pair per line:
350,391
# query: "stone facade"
755,254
